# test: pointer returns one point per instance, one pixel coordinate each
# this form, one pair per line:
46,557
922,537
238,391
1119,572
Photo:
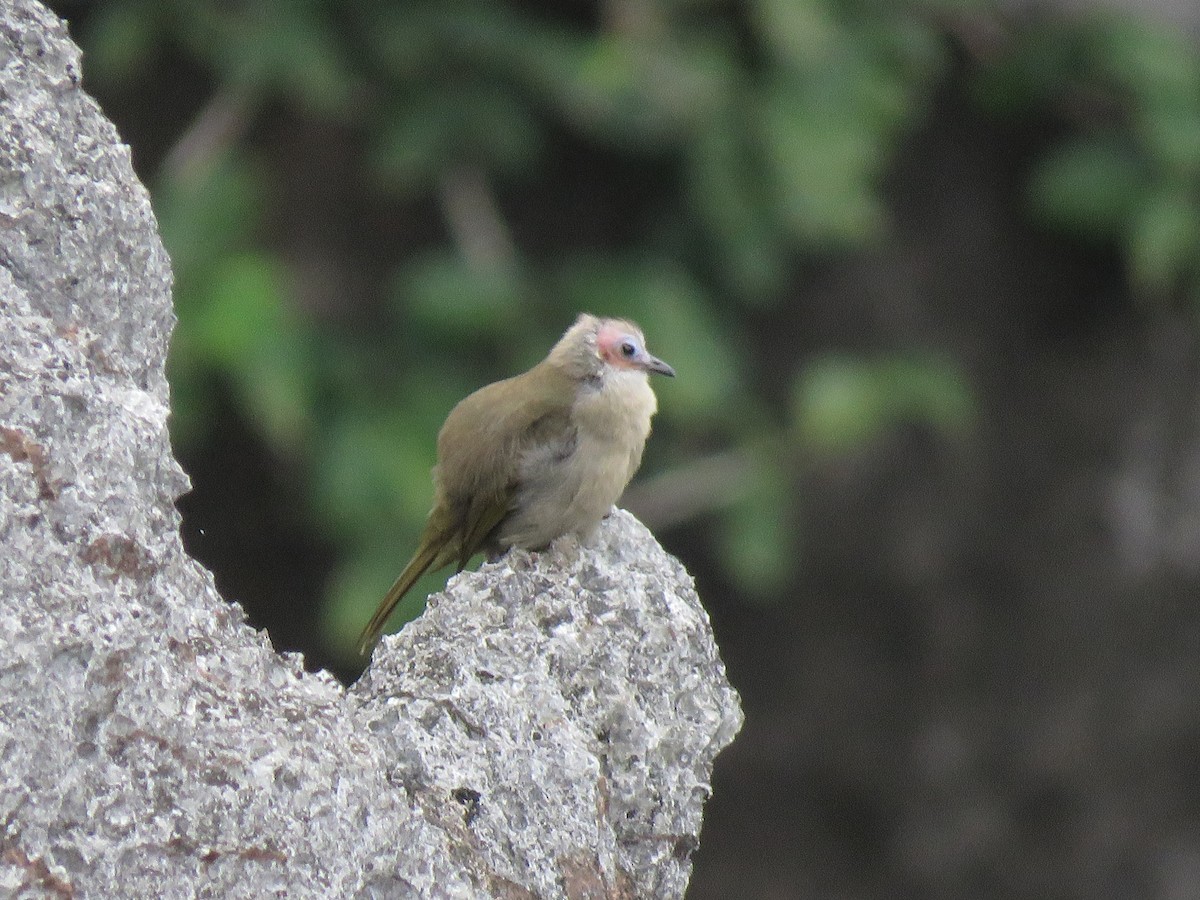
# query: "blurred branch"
699,486
634,18
220,123
475,221
983,35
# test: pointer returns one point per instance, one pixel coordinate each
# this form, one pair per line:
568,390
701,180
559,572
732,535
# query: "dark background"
928,272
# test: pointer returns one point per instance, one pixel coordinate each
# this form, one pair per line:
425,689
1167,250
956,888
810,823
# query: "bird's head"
620,344
593,346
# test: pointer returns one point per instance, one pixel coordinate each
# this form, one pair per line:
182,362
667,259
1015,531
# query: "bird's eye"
628,349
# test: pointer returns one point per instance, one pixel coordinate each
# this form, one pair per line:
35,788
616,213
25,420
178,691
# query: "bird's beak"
654,364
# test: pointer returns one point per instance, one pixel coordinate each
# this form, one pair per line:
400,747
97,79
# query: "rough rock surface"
547,729
548,691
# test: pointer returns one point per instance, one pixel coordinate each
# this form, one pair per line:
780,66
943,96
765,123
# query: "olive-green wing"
480,448
484,441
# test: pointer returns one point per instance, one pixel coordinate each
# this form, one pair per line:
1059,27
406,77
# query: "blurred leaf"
464,122
1039,64
758,535
277,390
838,404
241,302
1158,63
208,214
801,33
1172,138
627,90
1088,186
121,39
727,193
822,162
240,323
843,402
285,47
205,218
1164,242
930,389
827,116
909,51
403,39
611,85
374,468
446,295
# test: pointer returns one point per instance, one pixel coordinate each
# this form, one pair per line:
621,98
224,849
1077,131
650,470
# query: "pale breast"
571,488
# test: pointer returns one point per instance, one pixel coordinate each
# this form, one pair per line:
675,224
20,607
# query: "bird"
545,453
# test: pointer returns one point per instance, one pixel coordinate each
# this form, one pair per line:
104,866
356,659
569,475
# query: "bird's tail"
425,559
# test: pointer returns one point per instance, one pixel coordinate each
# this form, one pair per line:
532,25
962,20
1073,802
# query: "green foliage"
1162,242
757,534
1130,171
1091,185
474,121
442,294
841,402
772,122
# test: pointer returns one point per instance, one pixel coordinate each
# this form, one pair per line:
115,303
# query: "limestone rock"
547,729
